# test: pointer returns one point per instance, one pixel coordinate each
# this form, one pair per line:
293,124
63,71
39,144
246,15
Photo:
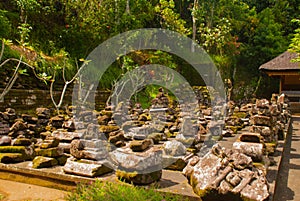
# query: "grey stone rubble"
147,141
226,175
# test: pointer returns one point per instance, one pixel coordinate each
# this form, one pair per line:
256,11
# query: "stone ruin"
149,140
226,175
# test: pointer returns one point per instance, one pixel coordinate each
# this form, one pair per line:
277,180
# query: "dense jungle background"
53,38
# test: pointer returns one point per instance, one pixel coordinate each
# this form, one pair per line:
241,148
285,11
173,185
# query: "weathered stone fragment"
254,150
239,160
115,138
27,152
29,119
174,148
156,137
43,113
5,141
11,157
21,142
261,120
65,136
50,142
108,128
89,149
50,152
139,179
226,175
4,128
258,190
65,146
69,125
142,162
57,121
176,163
140,145
62,159
251,137
43,162
18,126
86,167
266,132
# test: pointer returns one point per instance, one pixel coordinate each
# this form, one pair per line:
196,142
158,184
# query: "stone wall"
25,101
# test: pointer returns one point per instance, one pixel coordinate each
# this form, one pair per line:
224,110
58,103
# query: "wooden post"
282,78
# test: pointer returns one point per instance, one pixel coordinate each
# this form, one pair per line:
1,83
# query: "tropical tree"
295,42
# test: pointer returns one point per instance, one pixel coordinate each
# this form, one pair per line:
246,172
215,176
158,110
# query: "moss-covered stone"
22,142
106,113
140,179
115,138
62,159
140,145
108,128
271,148
186,141
27,152
235,129
11,158
50,142
12,149
178,165
240,115
51,152
144,117
43,135
43,162
156,137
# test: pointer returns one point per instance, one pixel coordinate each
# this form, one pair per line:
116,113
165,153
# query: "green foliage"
169,19
214,39
5,27
295,42
8,52
268,40
239,35
24,30
116,192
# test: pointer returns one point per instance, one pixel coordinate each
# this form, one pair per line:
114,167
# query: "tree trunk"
194,19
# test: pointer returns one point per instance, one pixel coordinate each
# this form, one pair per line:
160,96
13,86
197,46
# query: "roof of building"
282,63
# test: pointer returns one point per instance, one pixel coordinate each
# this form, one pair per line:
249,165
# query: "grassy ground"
118,192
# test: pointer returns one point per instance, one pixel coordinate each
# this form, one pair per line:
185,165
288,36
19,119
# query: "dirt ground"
15,191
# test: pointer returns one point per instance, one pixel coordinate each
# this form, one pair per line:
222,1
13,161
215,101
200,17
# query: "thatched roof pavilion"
282,63
288,71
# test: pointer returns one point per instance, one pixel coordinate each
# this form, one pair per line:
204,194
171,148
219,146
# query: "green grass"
109,191
2,197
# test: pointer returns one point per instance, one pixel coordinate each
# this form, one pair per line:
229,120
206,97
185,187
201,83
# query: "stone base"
139,179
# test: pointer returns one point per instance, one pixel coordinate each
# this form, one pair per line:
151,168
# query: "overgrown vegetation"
53,35
118,192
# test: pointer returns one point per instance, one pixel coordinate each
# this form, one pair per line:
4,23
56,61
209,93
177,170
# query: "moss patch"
43,162
108,129
51,152
139,179
12,149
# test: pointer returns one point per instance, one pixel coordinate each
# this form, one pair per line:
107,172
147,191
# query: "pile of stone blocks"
226,175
